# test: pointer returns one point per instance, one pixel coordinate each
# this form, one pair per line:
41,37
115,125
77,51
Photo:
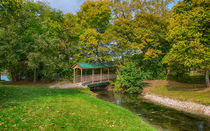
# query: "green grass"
37,107
190,93
195,78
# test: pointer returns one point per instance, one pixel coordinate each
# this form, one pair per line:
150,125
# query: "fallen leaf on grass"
1,123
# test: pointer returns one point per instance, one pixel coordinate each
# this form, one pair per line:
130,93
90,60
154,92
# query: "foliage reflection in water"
159,117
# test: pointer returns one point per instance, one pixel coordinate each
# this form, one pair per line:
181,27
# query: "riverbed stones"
187,106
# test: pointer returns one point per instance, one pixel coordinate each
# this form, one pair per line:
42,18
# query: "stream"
159,117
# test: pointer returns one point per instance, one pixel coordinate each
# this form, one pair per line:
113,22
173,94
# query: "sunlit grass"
42,108
190,93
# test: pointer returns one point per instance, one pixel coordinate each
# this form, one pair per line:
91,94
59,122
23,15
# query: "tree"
158,7
95,14
143,35
122,9
93,47
189,36
31,33
9,36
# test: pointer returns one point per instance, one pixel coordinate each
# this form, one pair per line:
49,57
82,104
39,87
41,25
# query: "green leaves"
92,46
30,40
130,78
95,14
187,33
94,18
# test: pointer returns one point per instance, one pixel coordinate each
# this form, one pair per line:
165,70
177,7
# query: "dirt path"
65,85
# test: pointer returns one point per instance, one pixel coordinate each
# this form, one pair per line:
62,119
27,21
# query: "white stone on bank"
187,106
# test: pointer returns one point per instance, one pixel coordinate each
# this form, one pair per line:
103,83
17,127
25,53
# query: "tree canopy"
38,42
189,35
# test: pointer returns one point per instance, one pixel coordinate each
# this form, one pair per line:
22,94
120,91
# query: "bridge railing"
96,78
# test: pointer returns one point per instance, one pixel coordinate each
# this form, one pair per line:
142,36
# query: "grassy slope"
39,107
196,93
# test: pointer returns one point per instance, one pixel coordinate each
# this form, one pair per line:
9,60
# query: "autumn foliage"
41,43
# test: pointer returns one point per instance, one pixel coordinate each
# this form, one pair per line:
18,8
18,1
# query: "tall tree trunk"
123,59
207,78
26,75
0,76
35,76
14,76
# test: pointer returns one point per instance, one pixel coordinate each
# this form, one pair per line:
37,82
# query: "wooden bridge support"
74,76
81,76
92,75
101,73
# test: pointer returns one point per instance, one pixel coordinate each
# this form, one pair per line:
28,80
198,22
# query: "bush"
130,78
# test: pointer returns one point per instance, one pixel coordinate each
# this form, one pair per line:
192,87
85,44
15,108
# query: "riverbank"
193,98
37,107
157,116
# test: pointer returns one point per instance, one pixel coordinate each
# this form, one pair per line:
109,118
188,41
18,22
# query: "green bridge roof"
93,65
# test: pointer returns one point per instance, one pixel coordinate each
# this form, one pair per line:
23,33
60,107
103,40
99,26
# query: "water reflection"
118,102
200,125
159,117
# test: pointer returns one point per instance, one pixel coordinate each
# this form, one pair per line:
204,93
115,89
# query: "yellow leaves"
62,44
122,20
90,38
186,34
95,14
152,53
149,40
1,123
92,45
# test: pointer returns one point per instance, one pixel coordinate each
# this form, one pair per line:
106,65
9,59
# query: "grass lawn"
196,78
190,92
37,107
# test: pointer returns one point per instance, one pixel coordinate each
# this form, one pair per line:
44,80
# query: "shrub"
130,78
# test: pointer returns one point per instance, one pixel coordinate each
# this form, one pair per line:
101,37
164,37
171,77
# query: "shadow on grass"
176,86
191,79
11,95
184,89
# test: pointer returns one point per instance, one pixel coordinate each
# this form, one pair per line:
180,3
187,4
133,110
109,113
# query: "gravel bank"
187,106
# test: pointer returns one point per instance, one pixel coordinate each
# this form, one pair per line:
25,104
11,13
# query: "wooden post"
81,75
108,74
74,76
92,75
101,74
85,75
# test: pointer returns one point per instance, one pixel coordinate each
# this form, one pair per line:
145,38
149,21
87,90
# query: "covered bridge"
93,73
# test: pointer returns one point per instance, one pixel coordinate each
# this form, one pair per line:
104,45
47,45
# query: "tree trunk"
207,78
0,76
26,75
35,75
168,72
14,76
123,59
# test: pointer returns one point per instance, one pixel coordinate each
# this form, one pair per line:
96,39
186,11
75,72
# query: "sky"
70,6
66,6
